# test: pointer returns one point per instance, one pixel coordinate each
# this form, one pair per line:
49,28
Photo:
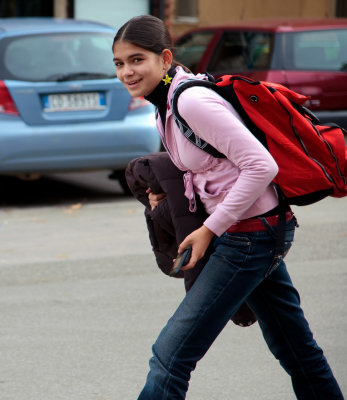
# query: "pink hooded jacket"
232,188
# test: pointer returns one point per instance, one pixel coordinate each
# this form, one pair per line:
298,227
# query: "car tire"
120,177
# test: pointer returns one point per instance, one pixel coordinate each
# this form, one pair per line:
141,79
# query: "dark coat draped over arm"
171,221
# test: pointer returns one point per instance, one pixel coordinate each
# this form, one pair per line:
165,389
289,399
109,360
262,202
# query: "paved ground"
81,302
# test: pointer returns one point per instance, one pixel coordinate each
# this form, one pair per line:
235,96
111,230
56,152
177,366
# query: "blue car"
61,107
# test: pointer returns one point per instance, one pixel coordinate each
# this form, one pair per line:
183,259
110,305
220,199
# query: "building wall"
227,11
60,8
116,12
111,12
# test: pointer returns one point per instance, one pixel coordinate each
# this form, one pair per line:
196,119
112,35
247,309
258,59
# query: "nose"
128,70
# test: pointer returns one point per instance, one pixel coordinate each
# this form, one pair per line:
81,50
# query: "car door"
243,52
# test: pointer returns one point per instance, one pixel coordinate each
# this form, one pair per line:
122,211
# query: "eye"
137,60
117,64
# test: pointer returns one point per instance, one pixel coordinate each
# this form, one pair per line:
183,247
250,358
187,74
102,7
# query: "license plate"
74,101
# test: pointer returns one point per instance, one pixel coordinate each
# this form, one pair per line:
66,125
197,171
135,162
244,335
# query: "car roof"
45,24
281,24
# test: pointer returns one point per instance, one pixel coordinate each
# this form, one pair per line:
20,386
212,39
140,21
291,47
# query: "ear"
167,58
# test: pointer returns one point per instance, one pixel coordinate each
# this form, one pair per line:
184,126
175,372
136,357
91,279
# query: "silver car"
61,107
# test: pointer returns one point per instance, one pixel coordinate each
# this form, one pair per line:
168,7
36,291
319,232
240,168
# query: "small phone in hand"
181,260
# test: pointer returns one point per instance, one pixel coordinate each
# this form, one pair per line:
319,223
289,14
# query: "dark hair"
147,32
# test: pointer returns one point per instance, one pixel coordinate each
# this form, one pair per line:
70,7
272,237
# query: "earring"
167,80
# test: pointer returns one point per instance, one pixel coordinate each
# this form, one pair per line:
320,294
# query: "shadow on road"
59,189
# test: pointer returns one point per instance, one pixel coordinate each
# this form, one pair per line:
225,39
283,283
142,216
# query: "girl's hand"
155,199
199,240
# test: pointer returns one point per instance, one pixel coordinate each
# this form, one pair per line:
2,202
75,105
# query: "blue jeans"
238,271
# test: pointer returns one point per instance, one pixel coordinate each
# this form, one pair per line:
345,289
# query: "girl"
243,212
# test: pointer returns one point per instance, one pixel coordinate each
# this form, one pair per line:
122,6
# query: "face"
138,69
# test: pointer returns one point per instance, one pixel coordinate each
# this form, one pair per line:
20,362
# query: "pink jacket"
232,188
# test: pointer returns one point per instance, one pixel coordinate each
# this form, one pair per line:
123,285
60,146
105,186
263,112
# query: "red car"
308,56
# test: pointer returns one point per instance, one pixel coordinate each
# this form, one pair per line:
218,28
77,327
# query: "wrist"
207,231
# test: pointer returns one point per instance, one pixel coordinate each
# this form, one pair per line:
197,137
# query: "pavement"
82,301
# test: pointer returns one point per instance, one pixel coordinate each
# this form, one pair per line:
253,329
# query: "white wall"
111,12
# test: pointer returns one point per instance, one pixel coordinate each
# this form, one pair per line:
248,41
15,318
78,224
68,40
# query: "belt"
255,224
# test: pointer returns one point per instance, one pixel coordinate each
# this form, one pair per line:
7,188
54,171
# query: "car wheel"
120,177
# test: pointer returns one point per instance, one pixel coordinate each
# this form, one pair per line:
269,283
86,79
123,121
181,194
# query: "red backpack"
312,158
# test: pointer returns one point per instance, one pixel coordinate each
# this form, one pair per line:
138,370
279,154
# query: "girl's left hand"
199,239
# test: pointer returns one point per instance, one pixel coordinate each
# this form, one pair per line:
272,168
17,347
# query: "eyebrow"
131,56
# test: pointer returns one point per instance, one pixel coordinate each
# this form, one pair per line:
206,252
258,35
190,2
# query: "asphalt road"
82,300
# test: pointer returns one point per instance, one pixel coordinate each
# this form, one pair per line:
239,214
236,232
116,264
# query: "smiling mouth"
133,83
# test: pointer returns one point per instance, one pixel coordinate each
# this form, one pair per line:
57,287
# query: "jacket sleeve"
140,176
162,237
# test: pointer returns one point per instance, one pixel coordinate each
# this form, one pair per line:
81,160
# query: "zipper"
304,146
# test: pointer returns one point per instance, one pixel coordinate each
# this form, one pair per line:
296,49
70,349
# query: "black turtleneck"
159,95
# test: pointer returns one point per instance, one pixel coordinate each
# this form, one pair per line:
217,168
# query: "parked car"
308,56
61,107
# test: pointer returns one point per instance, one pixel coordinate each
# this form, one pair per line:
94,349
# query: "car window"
47,57
190,49
242,51
319,50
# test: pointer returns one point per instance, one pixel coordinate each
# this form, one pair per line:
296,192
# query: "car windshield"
56,57
320,50
191,48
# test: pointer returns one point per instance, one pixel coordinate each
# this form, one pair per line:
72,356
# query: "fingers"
199,240
194,257
155,198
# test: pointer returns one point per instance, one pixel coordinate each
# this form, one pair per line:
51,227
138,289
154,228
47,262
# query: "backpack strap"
183,125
